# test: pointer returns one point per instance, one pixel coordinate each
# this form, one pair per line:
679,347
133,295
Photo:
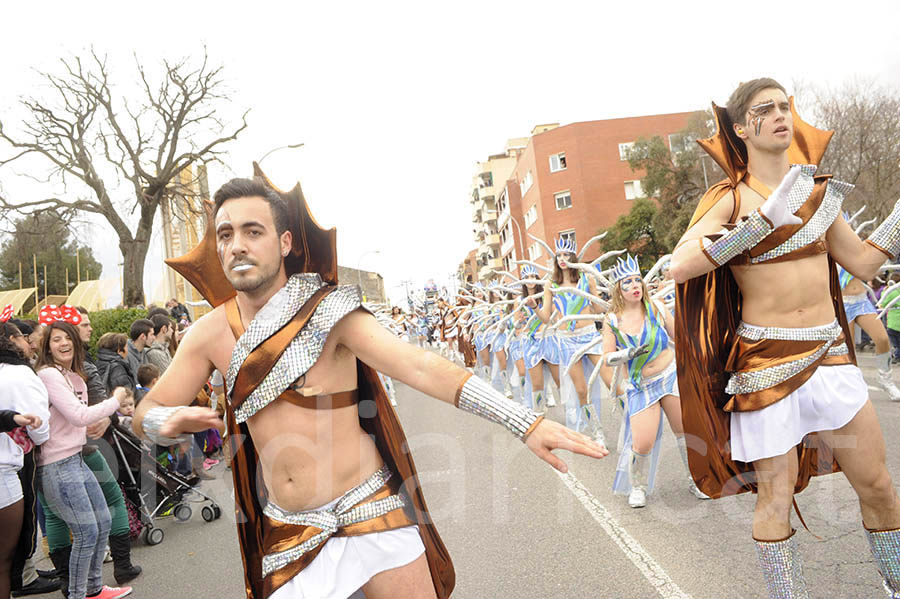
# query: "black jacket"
114,370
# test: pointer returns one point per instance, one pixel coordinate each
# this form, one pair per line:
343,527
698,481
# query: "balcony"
486,271
485,193
493,239
507,245
503,218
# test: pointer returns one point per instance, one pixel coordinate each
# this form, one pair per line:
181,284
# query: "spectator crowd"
58,407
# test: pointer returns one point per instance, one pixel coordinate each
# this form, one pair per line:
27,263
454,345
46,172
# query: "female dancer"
497,341
636,321
573,335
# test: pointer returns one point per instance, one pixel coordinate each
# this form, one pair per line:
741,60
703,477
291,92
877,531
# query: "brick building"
574,181
571,181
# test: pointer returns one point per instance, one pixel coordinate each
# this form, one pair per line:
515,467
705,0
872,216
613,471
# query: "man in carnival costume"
770,391
321,471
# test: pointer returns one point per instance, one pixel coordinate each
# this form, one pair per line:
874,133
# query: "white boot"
537,401
637,472
692,486
884,376
504,379
552,392
593,422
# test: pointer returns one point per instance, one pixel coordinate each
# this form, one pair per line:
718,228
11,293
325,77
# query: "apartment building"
488,181
574,180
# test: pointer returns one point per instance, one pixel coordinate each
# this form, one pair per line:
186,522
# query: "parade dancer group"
752,364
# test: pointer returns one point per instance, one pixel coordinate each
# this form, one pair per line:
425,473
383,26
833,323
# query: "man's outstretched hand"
549,435
194,419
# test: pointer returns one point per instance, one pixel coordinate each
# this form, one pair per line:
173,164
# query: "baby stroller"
145,483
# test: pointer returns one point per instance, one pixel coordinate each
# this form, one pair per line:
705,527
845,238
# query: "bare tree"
865,149
103,142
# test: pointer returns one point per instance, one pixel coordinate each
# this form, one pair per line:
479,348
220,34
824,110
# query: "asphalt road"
515,528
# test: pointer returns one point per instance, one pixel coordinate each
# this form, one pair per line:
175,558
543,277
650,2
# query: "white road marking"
874,388
651,570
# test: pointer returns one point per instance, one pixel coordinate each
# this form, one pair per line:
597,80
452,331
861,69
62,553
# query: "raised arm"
697,254
63,399
861,259
435,376
546,309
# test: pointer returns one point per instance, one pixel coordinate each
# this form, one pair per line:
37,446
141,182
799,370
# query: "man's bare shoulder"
211,327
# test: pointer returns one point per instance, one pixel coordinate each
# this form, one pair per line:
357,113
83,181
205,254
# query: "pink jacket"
69,414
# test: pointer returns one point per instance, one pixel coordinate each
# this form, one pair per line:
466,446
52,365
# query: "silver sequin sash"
752,381
344,512
306,347
819,222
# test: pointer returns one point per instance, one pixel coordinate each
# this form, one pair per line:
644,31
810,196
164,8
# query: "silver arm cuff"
745,235
617,357
479,398
887,236
153,421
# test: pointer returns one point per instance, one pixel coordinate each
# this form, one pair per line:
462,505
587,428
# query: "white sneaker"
887,383
551,402
637,498
695,490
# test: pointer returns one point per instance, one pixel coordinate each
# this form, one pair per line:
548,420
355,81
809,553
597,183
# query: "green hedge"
113,321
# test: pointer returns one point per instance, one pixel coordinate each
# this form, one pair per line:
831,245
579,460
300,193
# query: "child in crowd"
126,409
147,375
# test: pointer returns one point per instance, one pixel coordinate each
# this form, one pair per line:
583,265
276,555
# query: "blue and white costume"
854,305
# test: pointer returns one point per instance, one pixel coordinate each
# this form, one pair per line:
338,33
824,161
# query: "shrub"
113,321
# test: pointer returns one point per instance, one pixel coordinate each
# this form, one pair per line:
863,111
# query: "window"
534,251
624,148
525,185
558,162
563,200
568,235
679,142
531,216
487,179
633,190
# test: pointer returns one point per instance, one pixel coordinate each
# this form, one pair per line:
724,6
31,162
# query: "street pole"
77,267
45,282
34,258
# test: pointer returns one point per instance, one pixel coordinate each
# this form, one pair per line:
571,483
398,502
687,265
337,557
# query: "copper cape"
260,535
708,311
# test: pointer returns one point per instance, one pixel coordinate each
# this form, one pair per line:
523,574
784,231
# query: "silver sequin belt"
756,380
344,512
855,299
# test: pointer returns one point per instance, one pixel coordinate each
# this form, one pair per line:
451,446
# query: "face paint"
223,221
758,114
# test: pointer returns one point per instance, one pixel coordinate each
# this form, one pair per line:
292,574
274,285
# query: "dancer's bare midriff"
308,456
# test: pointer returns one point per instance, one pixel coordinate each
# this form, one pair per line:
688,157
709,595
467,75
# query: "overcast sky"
395,102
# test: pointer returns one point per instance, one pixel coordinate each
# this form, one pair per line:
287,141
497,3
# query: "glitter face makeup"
758,114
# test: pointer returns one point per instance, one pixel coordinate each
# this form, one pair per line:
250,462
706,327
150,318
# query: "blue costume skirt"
857,305
480,342
640,398
516,349
498,342
571,341
542,347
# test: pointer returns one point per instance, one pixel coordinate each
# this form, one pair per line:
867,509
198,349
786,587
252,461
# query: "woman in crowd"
68,486
24,423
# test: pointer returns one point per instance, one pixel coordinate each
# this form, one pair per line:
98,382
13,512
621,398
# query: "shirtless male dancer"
312,457
759,300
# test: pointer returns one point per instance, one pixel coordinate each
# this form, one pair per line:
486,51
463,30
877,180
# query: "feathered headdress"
625,267
529,271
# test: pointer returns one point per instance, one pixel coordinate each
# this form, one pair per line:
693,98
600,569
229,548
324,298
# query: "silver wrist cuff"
477,397
887,236
746,234
153,421
617,357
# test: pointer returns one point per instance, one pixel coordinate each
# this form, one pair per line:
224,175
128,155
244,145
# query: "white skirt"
827,401
345,564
